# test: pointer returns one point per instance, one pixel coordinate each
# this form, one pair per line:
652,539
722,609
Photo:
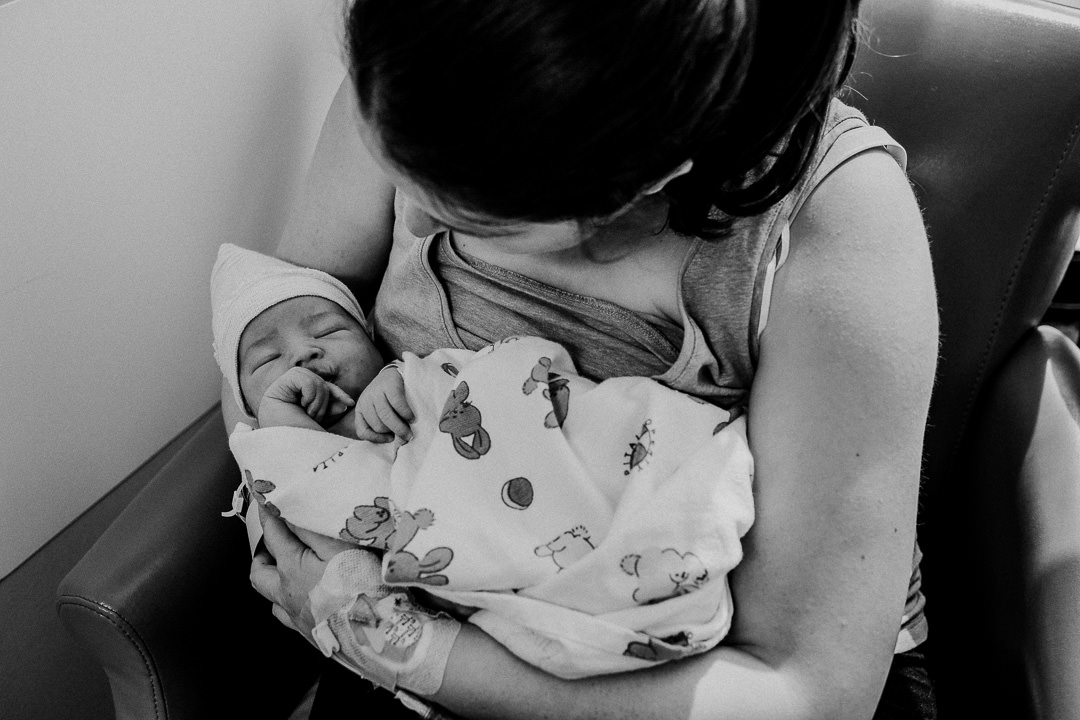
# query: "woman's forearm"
342,222
484,680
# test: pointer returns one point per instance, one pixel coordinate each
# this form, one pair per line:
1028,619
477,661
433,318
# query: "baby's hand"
382,410
300,393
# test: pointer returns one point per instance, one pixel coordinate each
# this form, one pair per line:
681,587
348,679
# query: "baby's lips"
326,372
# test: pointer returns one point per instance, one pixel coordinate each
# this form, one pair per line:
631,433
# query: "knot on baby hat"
244,282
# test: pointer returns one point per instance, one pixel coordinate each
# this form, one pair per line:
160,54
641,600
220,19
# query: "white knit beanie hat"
243,283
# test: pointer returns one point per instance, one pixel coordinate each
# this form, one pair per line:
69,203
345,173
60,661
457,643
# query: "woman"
669,189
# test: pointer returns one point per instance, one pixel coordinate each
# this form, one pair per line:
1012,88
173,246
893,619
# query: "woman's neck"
595,243
633,261
641,226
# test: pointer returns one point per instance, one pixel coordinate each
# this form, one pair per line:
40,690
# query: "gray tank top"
432,296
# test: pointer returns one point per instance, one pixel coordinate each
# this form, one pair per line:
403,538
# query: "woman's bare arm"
343,221
836,424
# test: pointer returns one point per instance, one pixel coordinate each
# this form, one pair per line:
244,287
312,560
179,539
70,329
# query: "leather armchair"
163,601
985,95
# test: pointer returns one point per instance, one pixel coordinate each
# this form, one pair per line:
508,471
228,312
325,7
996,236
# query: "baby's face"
310,332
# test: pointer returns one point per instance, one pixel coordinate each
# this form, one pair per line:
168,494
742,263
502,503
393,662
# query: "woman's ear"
677,172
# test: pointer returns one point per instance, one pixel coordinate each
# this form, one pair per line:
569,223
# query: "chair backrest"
985,96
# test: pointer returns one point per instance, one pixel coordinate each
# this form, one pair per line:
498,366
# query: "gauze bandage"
378,630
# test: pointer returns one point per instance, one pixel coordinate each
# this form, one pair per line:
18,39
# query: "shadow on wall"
136,138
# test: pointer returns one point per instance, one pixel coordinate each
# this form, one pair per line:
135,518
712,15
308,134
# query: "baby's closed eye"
259,361
323,332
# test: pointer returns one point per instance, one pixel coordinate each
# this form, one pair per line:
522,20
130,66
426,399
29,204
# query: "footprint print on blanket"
568,547
660,649
664,574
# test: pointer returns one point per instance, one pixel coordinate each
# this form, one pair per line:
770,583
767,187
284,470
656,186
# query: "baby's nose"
306,355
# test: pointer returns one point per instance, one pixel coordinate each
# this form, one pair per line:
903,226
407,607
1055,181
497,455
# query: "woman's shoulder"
855,200
845,134
859,261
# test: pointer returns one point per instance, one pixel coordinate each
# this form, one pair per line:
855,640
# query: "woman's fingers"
323,546
288,581
279,539
265,577
281,544
283,616
292,565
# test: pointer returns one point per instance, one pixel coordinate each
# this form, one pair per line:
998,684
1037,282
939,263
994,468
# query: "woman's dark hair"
546,110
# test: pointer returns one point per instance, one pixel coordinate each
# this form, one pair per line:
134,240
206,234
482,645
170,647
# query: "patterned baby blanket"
592,524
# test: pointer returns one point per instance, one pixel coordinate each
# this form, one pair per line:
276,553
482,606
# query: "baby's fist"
382,410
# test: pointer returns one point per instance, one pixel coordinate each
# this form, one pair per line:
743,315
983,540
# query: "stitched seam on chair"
1070,144
111,616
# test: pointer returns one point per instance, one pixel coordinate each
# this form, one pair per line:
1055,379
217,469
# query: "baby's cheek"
251,393
364,372
255,384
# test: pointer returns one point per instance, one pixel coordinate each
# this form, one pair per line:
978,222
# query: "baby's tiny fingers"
392,420
364,431
400,406
338,401
320,398
340,395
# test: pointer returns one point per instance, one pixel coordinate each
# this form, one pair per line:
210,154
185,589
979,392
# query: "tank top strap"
846,136
726,288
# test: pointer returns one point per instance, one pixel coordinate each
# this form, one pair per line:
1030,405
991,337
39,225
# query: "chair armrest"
163,601
1028,468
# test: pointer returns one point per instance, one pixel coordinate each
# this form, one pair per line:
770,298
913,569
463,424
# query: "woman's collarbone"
644,283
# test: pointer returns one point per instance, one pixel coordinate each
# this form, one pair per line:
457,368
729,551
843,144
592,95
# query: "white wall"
135,136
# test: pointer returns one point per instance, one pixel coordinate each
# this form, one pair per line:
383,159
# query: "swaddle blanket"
592,524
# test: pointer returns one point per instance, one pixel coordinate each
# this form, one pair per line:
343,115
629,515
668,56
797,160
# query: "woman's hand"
377,630
291,564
